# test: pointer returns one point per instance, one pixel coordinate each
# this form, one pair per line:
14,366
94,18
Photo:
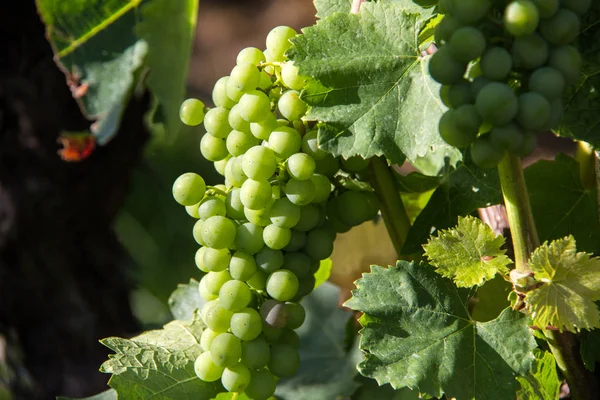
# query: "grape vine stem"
564,346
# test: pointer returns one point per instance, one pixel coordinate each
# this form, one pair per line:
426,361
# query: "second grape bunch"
265,230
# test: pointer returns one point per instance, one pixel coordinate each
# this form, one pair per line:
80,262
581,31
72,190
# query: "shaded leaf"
109,394
590,348
185,300
570,284
370,390
418,334
326,8
542,382
324,272
491,299
470,254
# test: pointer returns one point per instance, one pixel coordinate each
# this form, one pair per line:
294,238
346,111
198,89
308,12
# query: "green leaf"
418,334
94,45
169,28
324,272
109,394
491,299
185,300
326,8
373,90
461,192
590,348
370,390
570,284
542,382
327,366
560,204
159,364
470,254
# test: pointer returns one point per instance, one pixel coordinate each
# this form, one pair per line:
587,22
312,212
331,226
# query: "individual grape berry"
269,260
528,144
529,52
233,205
259,217
322,187
298,263
262,385
234,295
221,165
319,244
246,324
254,106
310,145
249,238
262,129
236,122
469,11
353,208
213,148
255,194
300,193
197,232
218,318
508,137
290,76
276,237
234,173
216,122
485,154
211,206
285,141
444,30
557,110
216,279
206,369
236,378
250,55
233,92
270,334
478,83
278,41
497,103
258,280
219,94
301,166
245,77
219,232
561,28
546,8
204,293
284,213
296,315
284,360
207,337
567,60
191,112
579,7
274,313
238,143
521,17
457,95
289,337
534,111
189,189
328,165
453,133
192,210
199,259
496,63
548,82
467,43
259,163
216,260
444,68
291,106
282,285
255,353
242,266
310,216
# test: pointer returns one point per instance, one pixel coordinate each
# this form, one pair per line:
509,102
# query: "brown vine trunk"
63,278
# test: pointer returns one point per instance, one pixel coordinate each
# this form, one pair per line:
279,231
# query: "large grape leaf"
372,87
561,205
470,253
418,334
185,300
327,363
570,285
542,382
326,8
159,364
109,394
590,348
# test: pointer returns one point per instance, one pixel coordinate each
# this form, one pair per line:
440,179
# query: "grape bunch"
504,68
265,230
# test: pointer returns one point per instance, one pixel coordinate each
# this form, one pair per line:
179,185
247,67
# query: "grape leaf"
590,348
542,382
372,88
461,192
326,8
570,284
159,363
370,390
109,394
185,300
491,299
470,254
561,205
324,272
327,366
418,334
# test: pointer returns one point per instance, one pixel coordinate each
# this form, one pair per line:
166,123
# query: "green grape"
300,193
528,144
297,241
276,237
567,60
284,360
236,378
254,106
255,194
255,353
193,210
305,286
291,106
258,280
285,141
444,30
262,385
290,338
327,166
468,11
290,76
353,208
521,17
233,205
211,206
259,163
242,266
444,90
534,111
485,154
191,112
216,260
561,28
234,172
259,217
245,77
496,63
284,213
208,335
310,216
458,94
301,166
206,308
322,187
206,369
546,8
235,120
204,293
269,260
197,232
334,219
579,7
548,82
250,55
453,133
221,165
478,83
296,315
444,68
219,94
246,324
212,148
233,92
497,103
467,43
216,122
265,81
218,232
508,137
530,51
556,113
271,334
282,285
234,295
199,259
226,350
218,318
319,244
215,280
373,202
298,263
239,142
355,163
189,189
278,41
249,238
310,145
262,129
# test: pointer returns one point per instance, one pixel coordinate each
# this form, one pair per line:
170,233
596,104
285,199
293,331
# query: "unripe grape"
290,76
218,232
226,350
467,44
278,41
259,163
219,94
188,189
291,106
521,17
285,141
191,112
250,55
245,77
282,285
561,28
254,106
206,369
213,148
216,122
